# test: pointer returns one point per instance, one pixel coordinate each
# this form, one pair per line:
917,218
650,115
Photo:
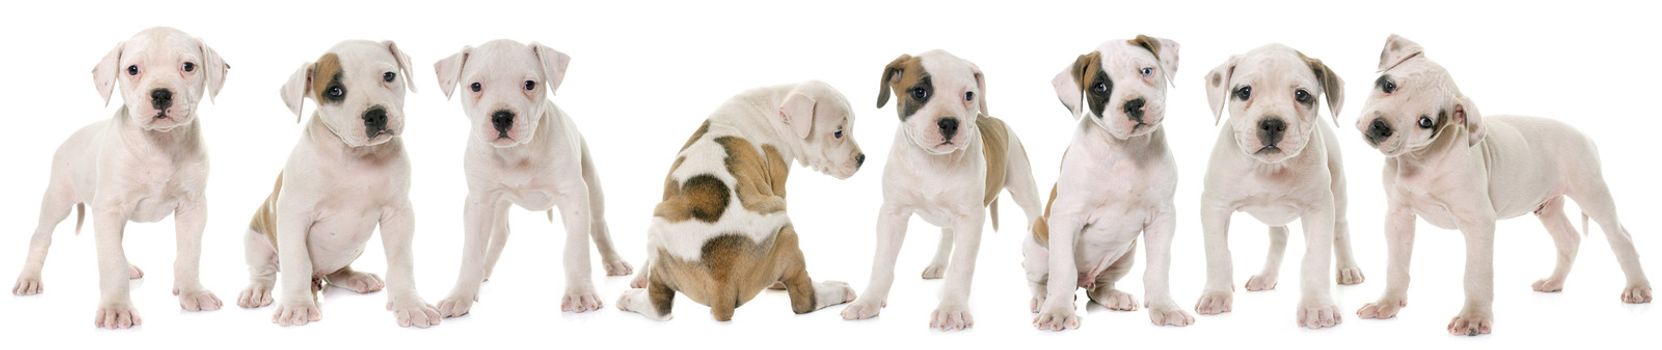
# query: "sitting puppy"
721,235
524,151
1278,162
146,162
1459,169
950,160
347,175
1117,181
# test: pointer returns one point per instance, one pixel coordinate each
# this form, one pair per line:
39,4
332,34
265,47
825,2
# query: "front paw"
639,281
829,293
456,305
1471,323
863,308
1386,307
581,300
1261,282
119,315
617,267
257,295
1056,318
415,312
297,312
1214,302
1114,299
197,299
1638,293
934,271
1350,275
1168,314
28,284
360,282
1318,314
951,317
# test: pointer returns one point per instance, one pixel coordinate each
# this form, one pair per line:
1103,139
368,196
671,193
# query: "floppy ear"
980,88
404,66
449,70
1165,50
297,89
1397,50
106,73
1466,113
890,72
215,68
1332,86
553,65
1217,87
1070,83
798,112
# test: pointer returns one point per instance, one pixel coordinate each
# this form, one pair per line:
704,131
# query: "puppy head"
1123,84
1414,101
823,124
939,97
1272,94
504,84
359,90
163,74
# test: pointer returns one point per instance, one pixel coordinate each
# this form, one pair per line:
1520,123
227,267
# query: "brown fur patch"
760,177
265,218
695,136
904,73
326,69
703,197
1041,229
733,269
1147,42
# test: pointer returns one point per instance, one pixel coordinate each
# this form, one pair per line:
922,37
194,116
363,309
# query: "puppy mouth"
1268,150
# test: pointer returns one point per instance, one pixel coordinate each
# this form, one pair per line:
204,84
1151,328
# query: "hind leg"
614,264
361,282
54,207
1595,200
1036,260
1266,280
654,301
262,270
1103,292
1563,235
943,251
806,296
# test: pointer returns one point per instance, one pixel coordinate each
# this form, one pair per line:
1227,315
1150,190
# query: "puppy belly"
1272,214
334,244
153,209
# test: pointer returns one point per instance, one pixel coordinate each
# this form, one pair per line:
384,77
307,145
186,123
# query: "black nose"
161,98
375,121
502,120
1134,109
1378,131
949,127
1270,130
859,160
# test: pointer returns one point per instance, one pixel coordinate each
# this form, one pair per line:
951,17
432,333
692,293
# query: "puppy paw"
1214,302
1548,285
117,316
1471,323
639,281
1382,309
617,267
829,293
1038,300
1314,314
1114,299
361,282
1638,293
1349,275
28,284
257,295
956,316
1261,282
637,301
862,309
582,300
934,271
296,313
134,273
413,312
1056,318
456,305
197,299
1169,314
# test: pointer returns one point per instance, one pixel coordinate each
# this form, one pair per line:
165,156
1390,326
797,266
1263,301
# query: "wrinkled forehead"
947,72
504,58
1274,65
159,45
356,62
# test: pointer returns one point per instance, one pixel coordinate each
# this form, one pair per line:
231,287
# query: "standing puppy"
347,175
1458,169
146,162
1117,181
524,151
1278,162
949,161
720,251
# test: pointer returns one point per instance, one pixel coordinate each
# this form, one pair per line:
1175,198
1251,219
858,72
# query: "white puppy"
1117,182
1279,162
524,151
1459,169
347,175
950,160
146,162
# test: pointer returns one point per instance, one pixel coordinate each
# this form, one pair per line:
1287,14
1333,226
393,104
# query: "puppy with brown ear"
523,151
1278,161
1459,169
347,176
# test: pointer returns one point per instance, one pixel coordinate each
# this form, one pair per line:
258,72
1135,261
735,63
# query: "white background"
644,75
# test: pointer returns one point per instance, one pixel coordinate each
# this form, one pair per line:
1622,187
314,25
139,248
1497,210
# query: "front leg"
189,219
1477,317
1162,310
296,305
115,307
397,236
953,312
1220,270
1317,309
1399,247
476,226
574,212
891,231
1057,311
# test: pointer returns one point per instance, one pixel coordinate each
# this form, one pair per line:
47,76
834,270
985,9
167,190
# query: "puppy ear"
1070,83
1332,86
980,88
297,89
553,65
215,68
404,66
449,70
798,111
106,73
1466,113
1165,50
1397,50
1217,87
890,72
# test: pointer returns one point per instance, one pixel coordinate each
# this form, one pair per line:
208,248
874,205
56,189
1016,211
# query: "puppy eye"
475,87
132,70
920,94
838,134
530,85
1425,122
190,67
1243,93
336,92
1100,88
969,96
1148,72
1302,96
1388,87
388,76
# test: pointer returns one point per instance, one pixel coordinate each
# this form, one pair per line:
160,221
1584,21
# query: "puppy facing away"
346,176
721,234
949,161
1279,162
146,162
1459,169
1117,182
523,151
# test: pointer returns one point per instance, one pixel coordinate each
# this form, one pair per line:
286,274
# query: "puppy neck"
182,137
328,143
765,104
1149,143
1450,141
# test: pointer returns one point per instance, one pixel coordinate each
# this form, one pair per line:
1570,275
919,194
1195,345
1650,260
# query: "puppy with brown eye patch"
1459,169
1279,161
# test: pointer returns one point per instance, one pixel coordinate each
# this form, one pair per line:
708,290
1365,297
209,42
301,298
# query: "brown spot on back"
703,197
900,75
760,177
265,218
326,69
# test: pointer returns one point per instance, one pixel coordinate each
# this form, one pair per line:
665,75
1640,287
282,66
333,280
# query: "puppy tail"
81,216
992,210
1584,224
551,215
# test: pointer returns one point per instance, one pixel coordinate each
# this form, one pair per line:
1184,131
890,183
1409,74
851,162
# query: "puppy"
1278,162
950,159
144,163
1459,169
1117,181
346,176
721,234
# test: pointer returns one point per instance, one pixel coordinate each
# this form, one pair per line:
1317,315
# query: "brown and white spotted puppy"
721,234
346,176
948,164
